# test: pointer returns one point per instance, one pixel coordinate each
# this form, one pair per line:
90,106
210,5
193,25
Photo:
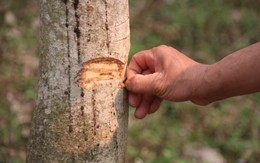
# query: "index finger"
141,61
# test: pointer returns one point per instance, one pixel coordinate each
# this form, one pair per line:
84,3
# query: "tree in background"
81,112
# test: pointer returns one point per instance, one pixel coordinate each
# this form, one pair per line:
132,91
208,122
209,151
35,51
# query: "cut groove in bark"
100,70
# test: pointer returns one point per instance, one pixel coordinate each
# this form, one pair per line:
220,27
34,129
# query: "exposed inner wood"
98,70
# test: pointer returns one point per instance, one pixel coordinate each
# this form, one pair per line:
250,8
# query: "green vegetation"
204,30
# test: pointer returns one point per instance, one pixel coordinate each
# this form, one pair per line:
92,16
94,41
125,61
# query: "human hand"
160,73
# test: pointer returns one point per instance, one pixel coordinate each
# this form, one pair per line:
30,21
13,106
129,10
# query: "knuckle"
134,58
163,46
160,47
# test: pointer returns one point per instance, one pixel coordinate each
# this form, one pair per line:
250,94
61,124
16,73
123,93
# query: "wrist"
206,85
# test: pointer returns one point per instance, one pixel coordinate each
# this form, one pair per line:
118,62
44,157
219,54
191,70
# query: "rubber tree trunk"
82,110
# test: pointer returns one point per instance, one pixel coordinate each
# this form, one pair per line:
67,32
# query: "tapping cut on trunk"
99,70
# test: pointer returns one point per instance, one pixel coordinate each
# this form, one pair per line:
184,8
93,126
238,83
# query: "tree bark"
82,120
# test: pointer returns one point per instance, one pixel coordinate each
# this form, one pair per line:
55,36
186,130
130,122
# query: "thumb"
141,83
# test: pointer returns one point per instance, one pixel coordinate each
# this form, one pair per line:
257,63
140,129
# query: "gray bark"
72,123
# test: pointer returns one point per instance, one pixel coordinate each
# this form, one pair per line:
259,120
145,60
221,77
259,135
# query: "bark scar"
107,28
77,29
100,70
68,93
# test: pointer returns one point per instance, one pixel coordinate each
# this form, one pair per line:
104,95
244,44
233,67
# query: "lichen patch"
100,70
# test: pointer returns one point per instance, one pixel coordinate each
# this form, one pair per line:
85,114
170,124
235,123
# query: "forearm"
236,74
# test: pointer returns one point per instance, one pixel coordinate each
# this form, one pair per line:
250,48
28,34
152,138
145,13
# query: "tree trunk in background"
74,122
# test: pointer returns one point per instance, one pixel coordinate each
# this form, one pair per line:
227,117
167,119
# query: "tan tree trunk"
82,111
